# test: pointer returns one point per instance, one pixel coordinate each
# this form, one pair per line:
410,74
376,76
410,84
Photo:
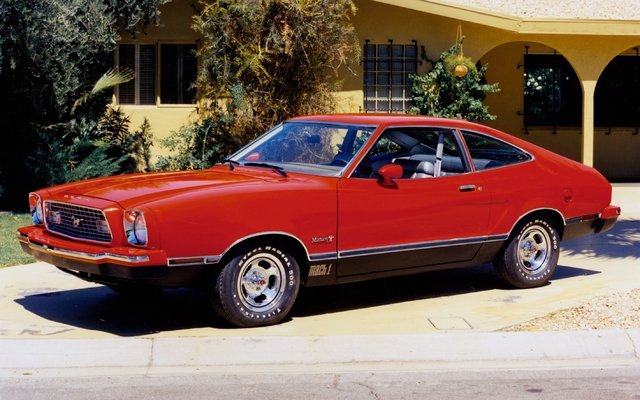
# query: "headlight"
135,227
35,206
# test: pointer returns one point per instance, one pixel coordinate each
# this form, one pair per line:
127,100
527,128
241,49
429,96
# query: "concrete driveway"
39,302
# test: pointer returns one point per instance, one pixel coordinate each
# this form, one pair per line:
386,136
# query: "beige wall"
176,20
502,48
509,102
613,154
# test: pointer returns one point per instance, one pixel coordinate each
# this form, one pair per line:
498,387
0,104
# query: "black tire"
529,258
257,287
135,290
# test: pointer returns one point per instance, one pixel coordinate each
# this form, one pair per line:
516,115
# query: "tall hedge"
51,53
264,61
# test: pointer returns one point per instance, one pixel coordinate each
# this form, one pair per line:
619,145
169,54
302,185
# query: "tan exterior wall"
589,53
508,104
176,20
494,39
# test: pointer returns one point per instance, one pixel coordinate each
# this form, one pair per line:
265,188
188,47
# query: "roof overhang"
559,26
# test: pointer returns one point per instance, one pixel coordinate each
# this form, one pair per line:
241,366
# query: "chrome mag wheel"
257,287
530,255
534,249
262,282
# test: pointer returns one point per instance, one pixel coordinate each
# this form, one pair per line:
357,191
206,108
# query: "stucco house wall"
492,35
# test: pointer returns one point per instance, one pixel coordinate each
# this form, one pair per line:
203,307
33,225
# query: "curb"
299,351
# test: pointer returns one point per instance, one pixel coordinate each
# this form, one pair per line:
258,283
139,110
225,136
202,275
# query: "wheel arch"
288,241
553,216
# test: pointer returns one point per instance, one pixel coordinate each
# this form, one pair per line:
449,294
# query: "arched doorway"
617,118
540,99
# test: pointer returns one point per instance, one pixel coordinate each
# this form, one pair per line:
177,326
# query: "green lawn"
10,251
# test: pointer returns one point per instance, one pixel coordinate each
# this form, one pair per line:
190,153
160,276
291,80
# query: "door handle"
467,188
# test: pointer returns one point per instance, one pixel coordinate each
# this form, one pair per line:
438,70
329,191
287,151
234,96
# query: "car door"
420,219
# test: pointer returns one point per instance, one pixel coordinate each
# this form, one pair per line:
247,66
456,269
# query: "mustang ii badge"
322,240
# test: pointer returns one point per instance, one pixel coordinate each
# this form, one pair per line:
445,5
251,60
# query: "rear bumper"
595,223
105,264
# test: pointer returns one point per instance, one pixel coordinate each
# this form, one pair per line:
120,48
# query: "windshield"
306,147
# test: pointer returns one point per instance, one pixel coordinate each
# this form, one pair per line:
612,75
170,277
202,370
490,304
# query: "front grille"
77,221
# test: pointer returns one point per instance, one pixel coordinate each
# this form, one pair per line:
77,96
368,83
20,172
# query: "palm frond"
110,79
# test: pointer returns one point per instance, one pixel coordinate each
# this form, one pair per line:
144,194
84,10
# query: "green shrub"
440,93
198,145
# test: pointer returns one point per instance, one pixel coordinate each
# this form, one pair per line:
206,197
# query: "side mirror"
390,172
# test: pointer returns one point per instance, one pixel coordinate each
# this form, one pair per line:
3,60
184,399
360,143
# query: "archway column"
588,135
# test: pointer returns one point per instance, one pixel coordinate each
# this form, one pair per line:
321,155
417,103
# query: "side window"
421,152
385,146
489,153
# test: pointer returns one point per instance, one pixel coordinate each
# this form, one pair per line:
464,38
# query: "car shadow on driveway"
329,299
100,309
622,241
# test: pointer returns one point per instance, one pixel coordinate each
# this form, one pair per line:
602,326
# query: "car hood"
129,190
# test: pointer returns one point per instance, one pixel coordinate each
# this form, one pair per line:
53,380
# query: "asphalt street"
51,321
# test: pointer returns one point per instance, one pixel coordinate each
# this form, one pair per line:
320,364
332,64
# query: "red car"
322,200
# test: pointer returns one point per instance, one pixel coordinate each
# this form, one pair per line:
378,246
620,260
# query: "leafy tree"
263,62
50,51
440,93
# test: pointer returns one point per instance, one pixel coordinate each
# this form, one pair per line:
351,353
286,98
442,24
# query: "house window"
140,58
617,96
173,73
552,92
387,67
178,70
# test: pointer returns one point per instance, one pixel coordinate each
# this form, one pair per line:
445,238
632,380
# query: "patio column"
588,94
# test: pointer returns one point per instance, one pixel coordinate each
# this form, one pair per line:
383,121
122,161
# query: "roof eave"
552,26
459,12
566,26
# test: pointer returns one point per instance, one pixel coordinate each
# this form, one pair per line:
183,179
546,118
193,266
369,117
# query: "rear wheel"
529,258
257,287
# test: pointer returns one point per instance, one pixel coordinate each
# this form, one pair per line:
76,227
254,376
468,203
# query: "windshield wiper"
231,162
274,168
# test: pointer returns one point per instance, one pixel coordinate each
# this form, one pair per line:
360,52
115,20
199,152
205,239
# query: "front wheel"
529,259
257,287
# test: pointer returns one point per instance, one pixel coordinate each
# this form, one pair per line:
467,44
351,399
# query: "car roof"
390,120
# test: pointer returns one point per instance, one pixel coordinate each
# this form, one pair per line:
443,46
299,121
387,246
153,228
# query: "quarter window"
487,153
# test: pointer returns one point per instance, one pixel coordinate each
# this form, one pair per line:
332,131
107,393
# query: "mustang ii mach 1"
321,200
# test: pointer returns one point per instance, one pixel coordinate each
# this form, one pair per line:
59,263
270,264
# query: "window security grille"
552,92
387,67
